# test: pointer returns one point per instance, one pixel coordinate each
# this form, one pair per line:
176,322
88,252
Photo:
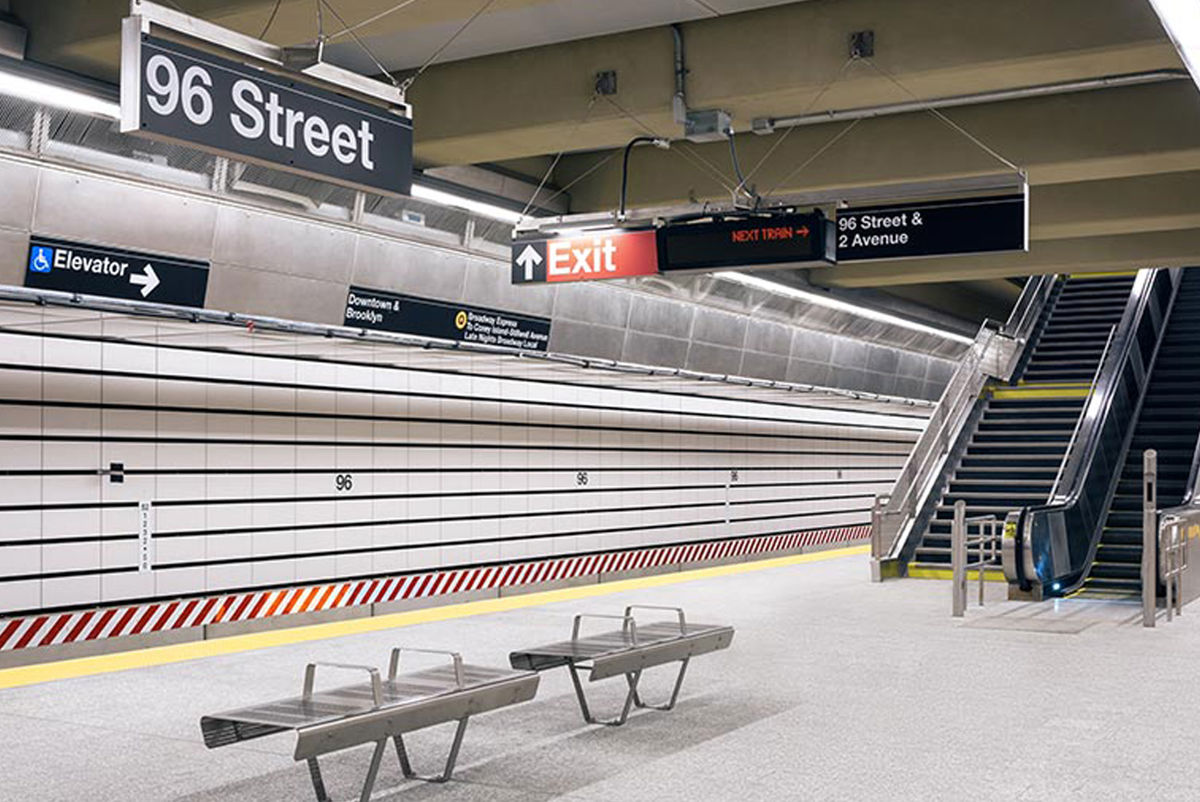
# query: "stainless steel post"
877,549
1168,570
958,557
1149,536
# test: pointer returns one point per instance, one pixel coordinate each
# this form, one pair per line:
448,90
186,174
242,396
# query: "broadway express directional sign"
404,314
586,257
177,93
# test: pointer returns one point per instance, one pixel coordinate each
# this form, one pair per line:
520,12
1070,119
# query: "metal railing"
995,353
989,532
1165,545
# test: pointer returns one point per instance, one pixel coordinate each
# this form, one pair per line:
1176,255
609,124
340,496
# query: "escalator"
1021,436
1169,422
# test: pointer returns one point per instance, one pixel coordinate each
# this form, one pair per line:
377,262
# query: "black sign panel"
191,96
766,240
404,314
938,228
114,273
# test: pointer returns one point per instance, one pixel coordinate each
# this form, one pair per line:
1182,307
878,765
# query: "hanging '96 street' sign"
178,93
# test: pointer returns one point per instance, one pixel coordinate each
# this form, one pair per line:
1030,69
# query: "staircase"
1169,422
1015,451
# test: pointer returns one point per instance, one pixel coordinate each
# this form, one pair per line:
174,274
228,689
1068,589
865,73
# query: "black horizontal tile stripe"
467,494
101,407
442,544
438,519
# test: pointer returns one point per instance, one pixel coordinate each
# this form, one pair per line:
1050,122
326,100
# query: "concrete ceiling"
1113,172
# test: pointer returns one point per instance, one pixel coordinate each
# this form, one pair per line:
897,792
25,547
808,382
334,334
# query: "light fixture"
826,300
1181,18
443,198
58,96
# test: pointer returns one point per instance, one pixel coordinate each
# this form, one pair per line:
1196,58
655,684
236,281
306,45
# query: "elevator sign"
586,257
114,273
177,93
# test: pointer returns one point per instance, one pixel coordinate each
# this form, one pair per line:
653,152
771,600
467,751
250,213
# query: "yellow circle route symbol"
460,320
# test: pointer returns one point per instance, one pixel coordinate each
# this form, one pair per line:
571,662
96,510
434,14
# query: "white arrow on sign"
148,280
529,259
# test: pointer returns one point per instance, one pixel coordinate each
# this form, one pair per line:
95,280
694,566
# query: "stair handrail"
1087,402
1048,558
994,353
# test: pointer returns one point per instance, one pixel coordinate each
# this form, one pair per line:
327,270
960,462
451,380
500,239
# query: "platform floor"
834,689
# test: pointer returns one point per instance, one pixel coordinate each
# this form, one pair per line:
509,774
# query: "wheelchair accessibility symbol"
41,259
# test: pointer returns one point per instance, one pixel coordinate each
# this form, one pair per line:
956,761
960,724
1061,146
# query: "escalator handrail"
1191,498
1087,403
1078,463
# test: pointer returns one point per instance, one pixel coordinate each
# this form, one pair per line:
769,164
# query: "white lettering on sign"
145,536
254,114
850,229
596,258
65,259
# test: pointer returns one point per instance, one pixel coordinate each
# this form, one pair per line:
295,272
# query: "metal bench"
375,711
629,651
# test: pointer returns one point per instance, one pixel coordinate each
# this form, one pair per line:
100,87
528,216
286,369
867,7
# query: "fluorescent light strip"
60,97
422,192
50,94
1181,18
822,299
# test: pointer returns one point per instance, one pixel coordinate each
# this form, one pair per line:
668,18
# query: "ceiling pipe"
766,125
679,102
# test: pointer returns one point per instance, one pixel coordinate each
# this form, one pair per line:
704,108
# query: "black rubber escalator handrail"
1124,341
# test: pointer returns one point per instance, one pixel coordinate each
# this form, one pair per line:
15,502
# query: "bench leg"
373,771
314,773
632,679
406,765
637,700
318,782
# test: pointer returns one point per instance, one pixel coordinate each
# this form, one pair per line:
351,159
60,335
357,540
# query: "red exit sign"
587,257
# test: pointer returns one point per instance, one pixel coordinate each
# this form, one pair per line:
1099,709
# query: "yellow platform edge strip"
945,573
195,650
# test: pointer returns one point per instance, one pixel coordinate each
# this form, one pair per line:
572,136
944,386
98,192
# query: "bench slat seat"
375,712
627,651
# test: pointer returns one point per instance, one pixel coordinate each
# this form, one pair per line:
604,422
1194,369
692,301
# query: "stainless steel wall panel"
242,289
283,245
97,210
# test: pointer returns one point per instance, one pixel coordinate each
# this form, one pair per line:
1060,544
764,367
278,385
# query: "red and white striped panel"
111,622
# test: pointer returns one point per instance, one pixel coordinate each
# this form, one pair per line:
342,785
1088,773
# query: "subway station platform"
833,689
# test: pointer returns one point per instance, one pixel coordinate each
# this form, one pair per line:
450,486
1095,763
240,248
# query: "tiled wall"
268,467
